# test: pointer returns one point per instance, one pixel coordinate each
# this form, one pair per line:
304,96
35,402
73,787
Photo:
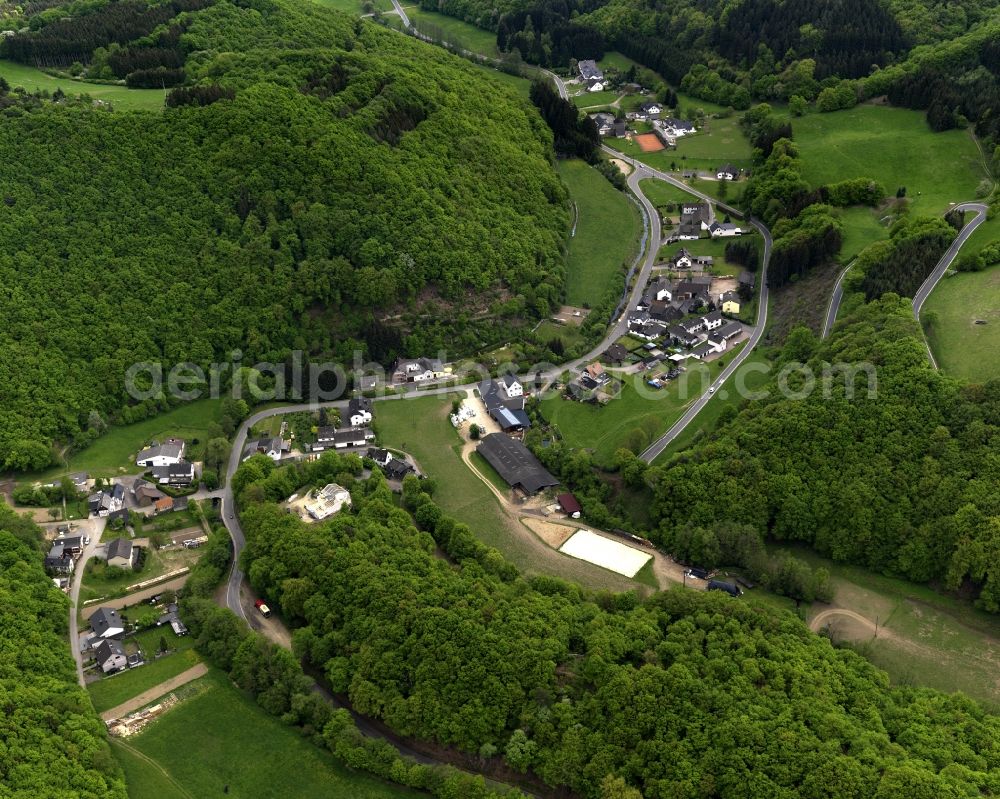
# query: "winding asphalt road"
641,172
932,279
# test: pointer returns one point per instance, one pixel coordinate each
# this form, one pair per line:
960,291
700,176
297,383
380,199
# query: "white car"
711,389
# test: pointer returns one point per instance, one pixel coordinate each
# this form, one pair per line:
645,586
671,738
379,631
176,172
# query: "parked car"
154,600
701,574
265,611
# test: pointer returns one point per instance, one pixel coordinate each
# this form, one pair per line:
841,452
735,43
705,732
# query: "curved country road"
641,172
932,279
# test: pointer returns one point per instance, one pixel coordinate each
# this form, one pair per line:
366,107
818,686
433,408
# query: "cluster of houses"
697,218
685,313
63,554
417,370
167,464
107,629
503,399
593,384
591,75
355,432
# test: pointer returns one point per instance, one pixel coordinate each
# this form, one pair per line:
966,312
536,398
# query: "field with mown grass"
608,229
219,742
121,97
421,428
963,348
634,419
894,146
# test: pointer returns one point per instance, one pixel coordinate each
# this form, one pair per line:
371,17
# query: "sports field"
605,553
649,142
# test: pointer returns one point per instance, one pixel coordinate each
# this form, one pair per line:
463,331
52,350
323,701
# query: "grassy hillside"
219,741
606,237
962,347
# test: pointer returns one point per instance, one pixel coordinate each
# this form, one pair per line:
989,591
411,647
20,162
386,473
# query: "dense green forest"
52,744
325,185
683,694
903,482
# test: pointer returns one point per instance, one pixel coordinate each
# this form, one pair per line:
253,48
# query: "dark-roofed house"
73,544
121,553
397,469
515,463
170,451
175,474
359,411
747,278
145,493
59,561
701,350
352,437
79,480
712,320
110,656
417,370
272,446
589,70
688,230
727,172
104,503
616,353
170,617
682,336
724,230
106,623
569,505
380,456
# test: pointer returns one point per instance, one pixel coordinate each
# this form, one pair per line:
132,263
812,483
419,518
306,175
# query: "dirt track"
154,693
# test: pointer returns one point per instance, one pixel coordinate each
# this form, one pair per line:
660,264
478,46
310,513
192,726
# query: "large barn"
515,463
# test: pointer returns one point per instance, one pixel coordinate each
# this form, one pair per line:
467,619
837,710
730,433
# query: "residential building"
80,480
678,127
682,336
688,230
106,502
515,463
145,493
717,343
110,656
328,501
650,109
605,122
121,553
616,354
711,321
505,392
596,85
724,229
73,544
169,452
359,411
106,623
274,447
175,474
747,279
417,370
701,350
163,505
170,617
730,330
700,212
589,70
397,469
380,456
730,303
727,172
59,561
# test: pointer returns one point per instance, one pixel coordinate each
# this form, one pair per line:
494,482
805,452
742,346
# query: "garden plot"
605,553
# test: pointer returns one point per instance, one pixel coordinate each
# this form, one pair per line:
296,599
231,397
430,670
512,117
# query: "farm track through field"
149,761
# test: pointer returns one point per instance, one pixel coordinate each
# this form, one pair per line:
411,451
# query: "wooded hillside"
903,482
52,744
684,695
362,189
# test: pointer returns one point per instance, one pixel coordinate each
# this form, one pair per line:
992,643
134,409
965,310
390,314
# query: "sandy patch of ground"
570,315
721,285
622,166
605,552
552,533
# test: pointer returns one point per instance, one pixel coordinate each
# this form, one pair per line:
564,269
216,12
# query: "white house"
273,447
110,656
596,85
724,230
328,501
359,411
712,320
417,370
716,343
165,454
727,172
106,623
